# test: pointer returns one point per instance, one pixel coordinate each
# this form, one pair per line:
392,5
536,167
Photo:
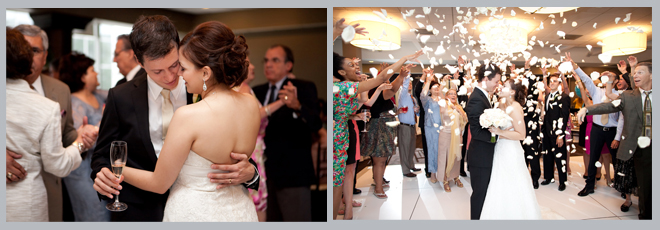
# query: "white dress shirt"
131,74
38,86
597,95
178,98
278,86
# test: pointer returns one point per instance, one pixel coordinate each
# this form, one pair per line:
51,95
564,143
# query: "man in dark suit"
557,110
135,113
289,165
636,107
481,150
125,59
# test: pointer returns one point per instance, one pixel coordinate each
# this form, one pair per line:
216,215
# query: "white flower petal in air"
348,34
435,125
565,67
390,71
598,164
551,16
509,109
427,10
457,132
589,47
391,56
595,25
392,123
620,174
351,91
513,13
563,162
442,103
420,16
623,137
533,60
424,38
643,141
392,112
600,43
530,157
604,79
571,94
541,43
595,75
552,22
420,25
574,24
563,169
586,137
627,17
429,28
558,154
600,85
380,15
616,20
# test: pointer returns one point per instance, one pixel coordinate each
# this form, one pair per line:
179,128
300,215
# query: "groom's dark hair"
489,71
153,37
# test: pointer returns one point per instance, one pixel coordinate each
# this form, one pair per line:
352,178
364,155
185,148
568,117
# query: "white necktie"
168,110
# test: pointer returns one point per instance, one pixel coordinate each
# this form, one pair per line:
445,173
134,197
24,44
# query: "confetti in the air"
373,71
381,15
605,58
348,34
627,17
598,164
574,24
616,20
390,71
595,25
589,47
391,56
643,141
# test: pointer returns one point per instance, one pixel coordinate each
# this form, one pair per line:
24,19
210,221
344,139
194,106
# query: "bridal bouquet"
493,118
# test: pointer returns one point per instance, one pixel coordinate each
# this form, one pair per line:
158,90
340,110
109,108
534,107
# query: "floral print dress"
344,103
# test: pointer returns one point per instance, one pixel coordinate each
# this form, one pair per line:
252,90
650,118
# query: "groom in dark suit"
288,139
137,112
481,149
557,109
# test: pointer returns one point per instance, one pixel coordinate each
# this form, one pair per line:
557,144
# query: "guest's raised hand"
107,184
289,93
622,66
527,63
236,173
632,61
413,57
15,171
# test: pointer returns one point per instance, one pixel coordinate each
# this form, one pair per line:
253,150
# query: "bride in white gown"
510,194
213,60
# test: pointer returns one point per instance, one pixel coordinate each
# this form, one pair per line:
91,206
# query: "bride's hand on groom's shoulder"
237,173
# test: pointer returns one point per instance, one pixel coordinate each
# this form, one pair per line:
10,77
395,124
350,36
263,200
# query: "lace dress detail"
193,198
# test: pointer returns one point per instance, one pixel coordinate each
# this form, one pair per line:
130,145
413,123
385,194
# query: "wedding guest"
556,109
77,71
406,130
422,124
637,132
37,140
289,137
125,59
604,126
59,92
432,120
625,180
260,197
451,136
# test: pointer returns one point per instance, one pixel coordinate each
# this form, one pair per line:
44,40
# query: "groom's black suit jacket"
553,114
126,118
288,140
480,151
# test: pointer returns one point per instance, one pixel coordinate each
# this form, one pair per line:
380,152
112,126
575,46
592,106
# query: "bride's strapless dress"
510,194
193,198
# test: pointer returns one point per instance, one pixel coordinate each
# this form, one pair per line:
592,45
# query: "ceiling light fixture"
388,39
504,37
624,44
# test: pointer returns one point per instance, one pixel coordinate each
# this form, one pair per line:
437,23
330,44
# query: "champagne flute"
118,151
366,119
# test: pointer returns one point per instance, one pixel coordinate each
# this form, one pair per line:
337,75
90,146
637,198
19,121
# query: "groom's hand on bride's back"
106,183
237,173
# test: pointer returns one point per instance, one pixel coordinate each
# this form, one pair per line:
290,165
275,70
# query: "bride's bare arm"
518,122
175,150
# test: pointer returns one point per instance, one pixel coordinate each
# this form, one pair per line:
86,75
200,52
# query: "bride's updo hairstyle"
214,45
520,91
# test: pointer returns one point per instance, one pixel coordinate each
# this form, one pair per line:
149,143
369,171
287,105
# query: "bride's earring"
204,87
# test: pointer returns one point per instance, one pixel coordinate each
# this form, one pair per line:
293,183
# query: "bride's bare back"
223,123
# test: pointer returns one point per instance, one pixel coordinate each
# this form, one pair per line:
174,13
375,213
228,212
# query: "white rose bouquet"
493,118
